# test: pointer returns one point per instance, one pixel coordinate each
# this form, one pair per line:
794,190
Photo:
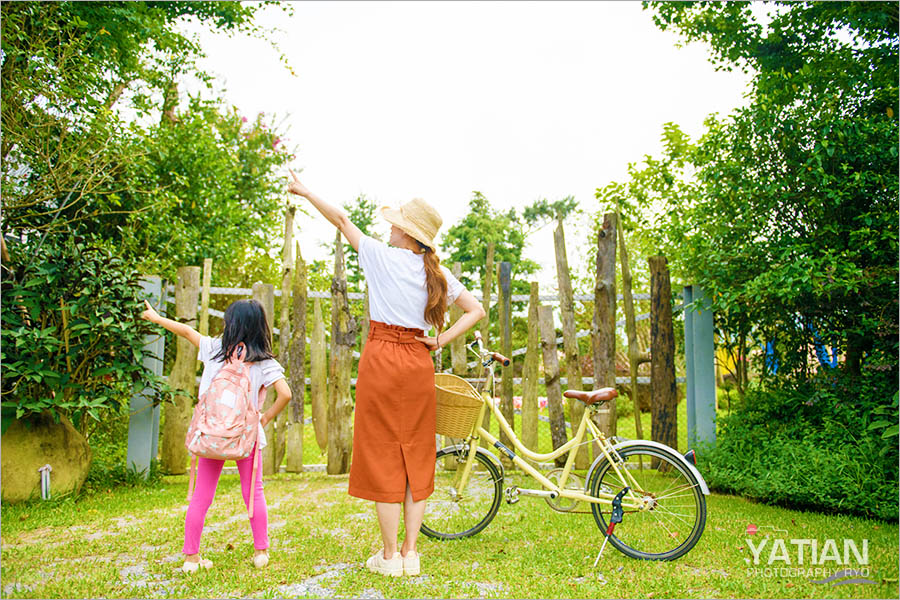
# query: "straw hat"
416,218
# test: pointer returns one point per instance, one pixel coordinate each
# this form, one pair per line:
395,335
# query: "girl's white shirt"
263,374
395,278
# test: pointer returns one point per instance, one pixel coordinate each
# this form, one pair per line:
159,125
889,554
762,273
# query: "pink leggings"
208,471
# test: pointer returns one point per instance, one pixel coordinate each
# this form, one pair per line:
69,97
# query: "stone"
28,446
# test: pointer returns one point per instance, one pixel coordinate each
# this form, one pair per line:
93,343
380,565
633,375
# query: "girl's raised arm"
335,215
188,333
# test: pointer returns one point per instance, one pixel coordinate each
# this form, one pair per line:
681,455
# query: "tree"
93,139
466,243
786,210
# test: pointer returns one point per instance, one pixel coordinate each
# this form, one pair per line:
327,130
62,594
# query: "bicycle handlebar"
500,358
479,342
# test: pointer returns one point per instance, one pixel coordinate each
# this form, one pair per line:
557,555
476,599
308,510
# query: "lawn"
125,542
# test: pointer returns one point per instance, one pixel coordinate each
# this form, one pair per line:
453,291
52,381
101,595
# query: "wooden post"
664,402
551,380
143,420
487,286
570,342
457,346
203,328
283,421
504,287
204,296
364,328
343,340
604,322
630,329
183,376
318,373
530,373
298,365
264,293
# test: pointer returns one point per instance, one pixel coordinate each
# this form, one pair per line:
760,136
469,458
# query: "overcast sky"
518,100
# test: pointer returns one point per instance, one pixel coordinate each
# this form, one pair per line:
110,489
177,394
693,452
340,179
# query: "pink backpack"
225,425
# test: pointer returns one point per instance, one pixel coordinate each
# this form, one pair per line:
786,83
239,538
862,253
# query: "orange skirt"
394,421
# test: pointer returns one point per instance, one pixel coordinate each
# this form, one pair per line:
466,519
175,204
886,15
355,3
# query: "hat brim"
395,217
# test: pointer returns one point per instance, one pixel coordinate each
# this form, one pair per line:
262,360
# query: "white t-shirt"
395,278
263,374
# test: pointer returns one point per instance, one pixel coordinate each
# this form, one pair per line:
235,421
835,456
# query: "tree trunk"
604,322
664,411
343,340
183,376
631,331
570,342
551,380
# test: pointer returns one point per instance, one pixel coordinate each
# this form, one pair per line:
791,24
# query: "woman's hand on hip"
430,342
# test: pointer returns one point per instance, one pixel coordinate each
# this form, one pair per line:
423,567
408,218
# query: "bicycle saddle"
592,397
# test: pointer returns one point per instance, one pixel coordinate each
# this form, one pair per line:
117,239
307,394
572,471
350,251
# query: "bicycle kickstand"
615,519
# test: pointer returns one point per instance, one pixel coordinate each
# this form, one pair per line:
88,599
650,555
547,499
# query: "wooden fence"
330,380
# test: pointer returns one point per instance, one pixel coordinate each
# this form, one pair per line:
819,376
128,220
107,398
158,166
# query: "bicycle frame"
632,500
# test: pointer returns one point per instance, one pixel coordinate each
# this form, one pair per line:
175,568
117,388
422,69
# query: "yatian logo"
782,556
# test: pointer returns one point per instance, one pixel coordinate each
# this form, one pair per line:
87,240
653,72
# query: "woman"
394,422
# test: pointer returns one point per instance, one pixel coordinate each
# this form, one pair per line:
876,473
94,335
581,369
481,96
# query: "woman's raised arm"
335,215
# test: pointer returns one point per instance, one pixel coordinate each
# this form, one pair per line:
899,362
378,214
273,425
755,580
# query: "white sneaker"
191,567
392,567
411,563
261,560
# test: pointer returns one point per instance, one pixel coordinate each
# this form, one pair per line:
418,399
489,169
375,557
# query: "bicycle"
647,499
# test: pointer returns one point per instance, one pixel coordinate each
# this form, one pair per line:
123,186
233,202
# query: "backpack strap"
191,479
256,459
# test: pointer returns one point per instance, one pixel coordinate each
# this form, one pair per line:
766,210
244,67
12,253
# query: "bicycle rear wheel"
675,521
453,513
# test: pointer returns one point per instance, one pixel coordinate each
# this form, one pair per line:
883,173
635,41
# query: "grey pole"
704,368
689,366
143,423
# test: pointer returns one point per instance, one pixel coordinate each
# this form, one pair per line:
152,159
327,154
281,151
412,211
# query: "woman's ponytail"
436,307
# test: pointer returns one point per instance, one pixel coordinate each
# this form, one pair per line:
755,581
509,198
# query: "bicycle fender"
630,443
483,452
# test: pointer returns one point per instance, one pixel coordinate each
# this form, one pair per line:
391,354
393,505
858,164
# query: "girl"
245,323
394,421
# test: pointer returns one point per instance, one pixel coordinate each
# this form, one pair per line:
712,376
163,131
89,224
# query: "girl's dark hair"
245,321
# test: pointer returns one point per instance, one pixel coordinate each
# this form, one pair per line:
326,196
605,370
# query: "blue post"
703,372
689,366
143,424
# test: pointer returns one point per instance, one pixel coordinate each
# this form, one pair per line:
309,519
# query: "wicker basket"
457,405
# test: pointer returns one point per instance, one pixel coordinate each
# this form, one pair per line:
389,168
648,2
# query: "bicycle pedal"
512,495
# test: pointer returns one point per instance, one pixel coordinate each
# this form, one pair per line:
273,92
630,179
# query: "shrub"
72,337
821,446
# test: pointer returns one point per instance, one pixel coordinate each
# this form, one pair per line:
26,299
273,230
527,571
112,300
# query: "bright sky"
518,100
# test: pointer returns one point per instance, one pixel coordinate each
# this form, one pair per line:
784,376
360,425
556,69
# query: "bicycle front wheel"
676,516
453,513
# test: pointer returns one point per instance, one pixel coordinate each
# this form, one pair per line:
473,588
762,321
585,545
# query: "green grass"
127,542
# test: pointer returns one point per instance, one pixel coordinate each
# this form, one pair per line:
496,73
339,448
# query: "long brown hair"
436,307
